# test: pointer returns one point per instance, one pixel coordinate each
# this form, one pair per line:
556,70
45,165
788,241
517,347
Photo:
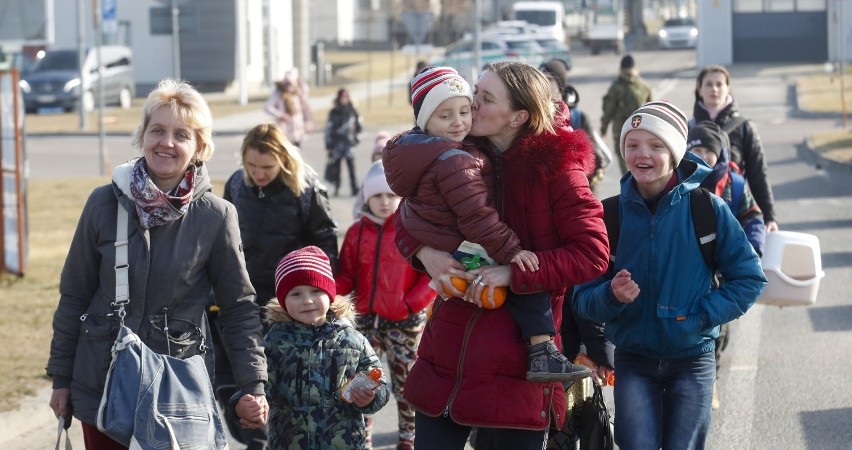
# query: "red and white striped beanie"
307,266
665,121
431,87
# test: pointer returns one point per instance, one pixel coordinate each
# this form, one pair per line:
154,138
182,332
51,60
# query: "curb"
806,151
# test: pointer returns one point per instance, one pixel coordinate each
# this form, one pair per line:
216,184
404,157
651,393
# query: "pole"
842,50
477,42
176,39
241,52
81,52
99,38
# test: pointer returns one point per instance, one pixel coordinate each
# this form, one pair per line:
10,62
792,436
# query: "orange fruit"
500,293
459,283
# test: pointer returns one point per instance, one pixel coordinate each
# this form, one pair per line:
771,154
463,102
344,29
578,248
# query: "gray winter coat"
173,268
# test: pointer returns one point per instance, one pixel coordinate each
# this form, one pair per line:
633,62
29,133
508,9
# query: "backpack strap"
704,220
737,190
612,220
305,202
733,124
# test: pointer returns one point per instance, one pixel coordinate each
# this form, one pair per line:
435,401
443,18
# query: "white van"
548,16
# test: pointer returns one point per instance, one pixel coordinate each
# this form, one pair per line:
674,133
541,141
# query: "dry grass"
821,93
834,145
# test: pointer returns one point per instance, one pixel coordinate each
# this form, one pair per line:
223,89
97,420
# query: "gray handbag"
150,400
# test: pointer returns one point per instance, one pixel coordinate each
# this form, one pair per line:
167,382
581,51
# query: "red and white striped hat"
663,119
431,87
307,266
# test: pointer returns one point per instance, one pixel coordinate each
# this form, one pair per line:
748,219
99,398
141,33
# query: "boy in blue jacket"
657,299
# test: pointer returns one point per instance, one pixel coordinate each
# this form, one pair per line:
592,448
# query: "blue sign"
108,16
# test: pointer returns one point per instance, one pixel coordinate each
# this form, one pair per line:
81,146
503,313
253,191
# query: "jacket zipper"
457,386
376,267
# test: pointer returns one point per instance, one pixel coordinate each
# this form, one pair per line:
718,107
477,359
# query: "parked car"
680,32
553,48
493,48
54,81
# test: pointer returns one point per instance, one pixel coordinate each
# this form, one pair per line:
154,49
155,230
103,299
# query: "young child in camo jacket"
312,349
449,196
390,296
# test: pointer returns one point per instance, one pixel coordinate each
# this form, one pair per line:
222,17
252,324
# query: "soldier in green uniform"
626,94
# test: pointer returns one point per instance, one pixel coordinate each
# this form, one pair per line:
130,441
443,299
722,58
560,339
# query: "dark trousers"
94,439
441,433
350,166
532,312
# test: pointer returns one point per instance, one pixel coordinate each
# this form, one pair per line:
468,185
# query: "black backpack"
703,218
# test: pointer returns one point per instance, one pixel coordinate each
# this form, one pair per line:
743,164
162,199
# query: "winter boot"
546,363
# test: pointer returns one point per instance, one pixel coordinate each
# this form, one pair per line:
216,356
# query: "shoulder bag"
154,401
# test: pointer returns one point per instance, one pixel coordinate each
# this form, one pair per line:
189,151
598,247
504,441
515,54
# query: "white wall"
281,31
834,40
715,33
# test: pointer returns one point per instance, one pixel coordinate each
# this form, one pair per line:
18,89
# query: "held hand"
492,276
771,226
526,260
59,401
441,266
362,397
602,373
252,410
624,288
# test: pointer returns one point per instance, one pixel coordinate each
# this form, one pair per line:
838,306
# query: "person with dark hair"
715,102
626,94
342,132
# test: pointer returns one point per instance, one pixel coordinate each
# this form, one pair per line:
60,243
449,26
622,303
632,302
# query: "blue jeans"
663,403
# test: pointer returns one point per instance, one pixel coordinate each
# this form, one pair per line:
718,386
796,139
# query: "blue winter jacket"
676,314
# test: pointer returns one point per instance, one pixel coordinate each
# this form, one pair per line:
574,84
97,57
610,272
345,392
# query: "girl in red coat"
390,297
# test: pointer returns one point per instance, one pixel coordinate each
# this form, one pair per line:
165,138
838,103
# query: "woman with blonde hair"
183,243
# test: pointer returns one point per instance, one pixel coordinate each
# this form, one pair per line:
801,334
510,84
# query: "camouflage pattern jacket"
307,364
626,94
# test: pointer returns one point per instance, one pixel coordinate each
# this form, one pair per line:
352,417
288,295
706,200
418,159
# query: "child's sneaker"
546,363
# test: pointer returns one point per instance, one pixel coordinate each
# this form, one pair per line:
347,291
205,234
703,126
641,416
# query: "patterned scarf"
154,206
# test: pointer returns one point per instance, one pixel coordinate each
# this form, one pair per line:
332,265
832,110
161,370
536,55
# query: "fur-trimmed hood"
547,154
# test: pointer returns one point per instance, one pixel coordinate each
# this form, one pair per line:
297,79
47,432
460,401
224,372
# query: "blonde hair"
269,139
185,101
529,90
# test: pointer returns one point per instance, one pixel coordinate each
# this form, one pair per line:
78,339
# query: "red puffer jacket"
472,362
383,282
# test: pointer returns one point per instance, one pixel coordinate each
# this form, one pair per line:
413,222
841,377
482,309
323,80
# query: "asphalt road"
785,380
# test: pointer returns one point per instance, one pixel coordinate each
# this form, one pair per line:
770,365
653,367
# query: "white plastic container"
793,266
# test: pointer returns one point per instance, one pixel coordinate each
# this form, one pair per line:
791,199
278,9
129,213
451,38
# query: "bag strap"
733,124
122,278
737,188
612,220
305,202
704,221
62,429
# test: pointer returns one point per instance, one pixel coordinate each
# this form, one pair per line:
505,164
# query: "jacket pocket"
92,357
683,327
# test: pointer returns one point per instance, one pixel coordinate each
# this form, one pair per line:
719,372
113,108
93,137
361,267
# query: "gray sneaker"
546,363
